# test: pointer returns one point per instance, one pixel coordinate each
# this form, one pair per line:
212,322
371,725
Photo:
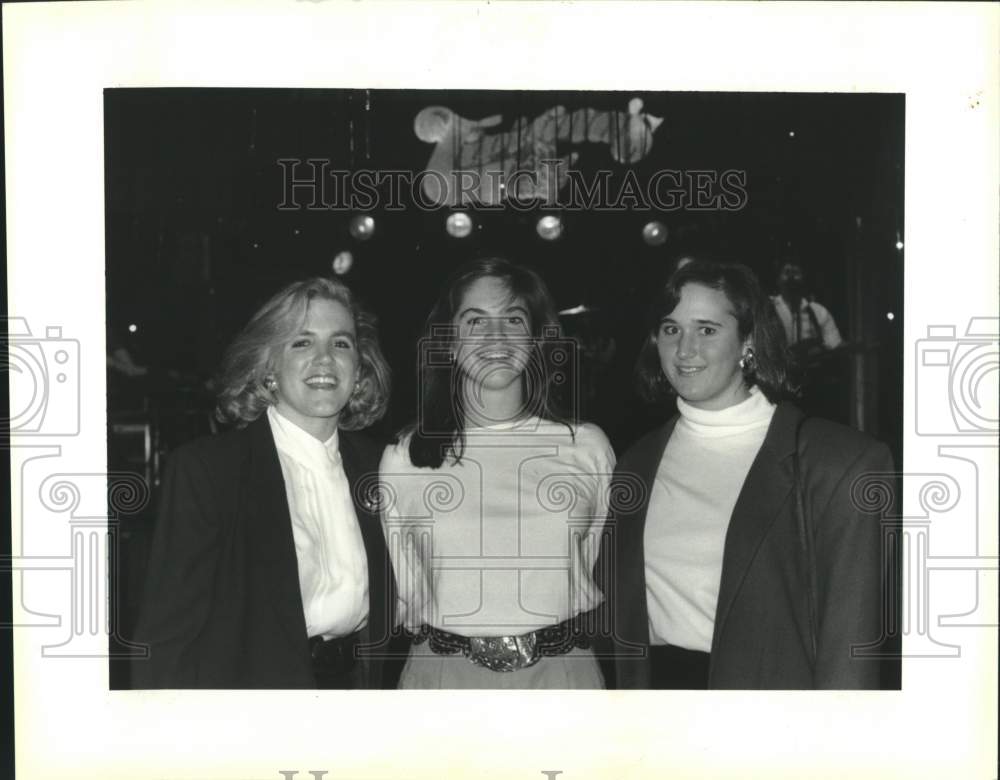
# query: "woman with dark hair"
268,566
739,554
494,501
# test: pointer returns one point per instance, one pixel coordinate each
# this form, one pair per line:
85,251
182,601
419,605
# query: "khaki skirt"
577,669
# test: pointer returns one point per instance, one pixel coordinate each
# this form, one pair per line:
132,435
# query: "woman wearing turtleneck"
693,496
739,554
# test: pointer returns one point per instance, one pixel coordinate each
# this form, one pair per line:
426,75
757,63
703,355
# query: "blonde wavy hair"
241,381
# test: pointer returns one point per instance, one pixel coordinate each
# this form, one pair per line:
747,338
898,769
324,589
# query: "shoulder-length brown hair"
754,314
242,393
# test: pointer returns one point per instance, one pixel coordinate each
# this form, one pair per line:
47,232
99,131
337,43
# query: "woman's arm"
600,465
183,561
848,557
408,544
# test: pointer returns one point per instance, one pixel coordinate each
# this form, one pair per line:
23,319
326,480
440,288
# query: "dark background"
196,242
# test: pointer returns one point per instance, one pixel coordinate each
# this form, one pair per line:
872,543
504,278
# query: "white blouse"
699,479
829,332
503,542
333,566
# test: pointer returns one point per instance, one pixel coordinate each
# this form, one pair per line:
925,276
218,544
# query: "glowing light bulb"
550,227
458,224
342,262
654,233
362,227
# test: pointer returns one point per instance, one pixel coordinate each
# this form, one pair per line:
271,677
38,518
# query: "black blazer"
222,606
762,635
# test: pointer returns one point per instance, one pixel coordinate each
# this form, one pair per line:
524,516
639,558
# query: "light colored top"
333,566
828,328
693,496
503,542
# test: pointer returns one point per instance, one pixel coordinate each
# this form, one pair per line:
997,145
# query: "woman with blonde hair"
268,566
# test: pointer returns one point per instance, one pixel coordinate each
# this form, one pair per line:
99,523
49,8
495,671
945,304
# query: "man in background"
807,323
820,368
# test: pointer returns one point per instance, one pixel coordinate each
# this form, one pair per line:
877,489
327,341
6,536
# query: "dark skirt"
674,668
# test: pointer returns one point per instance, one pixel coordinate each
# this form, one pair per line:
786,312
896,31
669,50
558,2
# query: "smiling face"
700,348
317,368
494,333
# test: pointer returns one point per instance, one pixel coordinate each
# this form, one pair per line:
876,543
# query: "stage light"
791,133
890,316
362,227
654,233
899,241
132,328
342,263
899,245
550,227
458,224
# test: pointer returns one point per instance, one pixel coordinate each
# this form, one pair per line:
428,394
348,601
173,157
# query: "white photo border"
58,59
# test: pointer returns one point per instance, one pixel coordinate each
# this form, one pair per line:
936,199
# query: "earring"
270,383
749,360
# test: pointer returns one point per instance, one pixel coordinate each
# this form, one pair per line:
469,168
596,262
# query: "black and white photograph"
555,277
502,389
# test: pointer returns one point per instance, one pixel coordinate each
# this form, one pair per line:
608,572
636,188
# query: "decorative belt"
507,653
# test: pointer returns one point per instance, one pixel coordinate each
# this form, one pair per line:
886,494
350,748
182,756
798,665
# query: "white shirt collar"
300,444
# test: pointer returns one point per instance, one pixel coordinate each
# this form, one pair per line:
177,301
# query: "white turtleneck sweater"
698,481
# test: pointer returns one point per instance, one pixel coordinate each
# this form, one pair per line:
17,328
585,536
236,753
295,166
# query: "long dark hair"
755,316
439,430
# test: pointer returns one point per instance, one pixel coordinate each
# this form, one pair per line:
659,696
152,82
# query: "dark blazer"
762,636
222,606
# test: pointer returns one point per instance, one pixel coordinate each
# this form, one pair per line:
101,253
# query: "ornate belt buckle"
504,653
